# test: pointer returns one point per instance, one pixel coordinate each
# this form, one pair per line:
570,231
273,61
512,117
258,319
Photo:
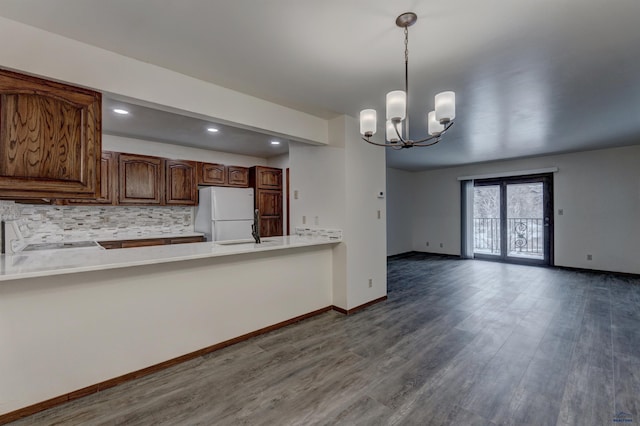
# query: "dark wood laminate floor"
457,343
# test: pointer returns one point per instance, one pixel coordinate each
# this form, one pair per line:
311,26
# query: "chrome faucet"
255,228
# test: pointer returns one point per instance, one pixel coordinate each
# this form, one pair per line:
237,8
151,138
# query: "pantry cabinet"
267,184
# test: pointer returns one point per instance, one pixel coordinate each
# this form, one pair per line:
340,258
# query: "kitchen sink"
240,242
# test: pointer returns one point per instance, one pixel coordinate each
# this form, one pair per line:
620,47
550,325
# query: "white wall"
338,186
599,192
318,177
165,150
436,211
399,212
62,333
279,161
45,54
366,229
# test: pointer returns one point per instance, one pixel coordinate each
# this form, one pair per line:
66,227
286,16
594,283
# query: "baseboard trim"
358,308
599,271
400,255
432,254
58,400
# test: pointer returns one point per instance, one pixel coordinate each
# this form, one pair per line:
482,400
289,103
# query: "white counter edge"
60,262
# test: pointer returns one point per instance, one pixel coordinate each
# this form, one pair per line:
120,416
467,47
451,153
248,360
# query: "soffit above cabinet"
143,122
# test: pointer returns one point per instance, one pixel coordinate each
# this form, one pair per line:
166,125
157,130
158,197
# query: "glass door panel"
525,220
486,220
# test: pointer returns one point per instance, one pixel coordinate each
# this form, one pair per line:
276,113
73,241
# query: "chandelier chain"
406,44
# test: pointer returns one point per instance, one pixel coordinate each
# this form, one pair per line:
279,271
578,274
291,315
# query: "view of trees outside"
524,219
486,219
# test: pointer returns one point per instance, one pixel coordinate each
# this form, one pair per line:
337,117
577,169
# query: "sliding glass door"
512,219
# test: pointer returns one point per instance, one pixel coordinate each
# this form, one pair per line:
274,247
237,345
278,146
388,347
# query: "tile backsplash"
45,223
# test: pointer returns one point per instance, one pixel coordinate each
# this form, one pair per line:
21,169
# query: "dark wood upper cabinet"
238,176
221,175
140,180
108,182
266,177
50,138
181,187
211,174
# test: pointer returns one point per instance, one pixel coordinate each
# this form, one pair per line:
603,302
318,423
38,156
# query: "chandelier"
438,121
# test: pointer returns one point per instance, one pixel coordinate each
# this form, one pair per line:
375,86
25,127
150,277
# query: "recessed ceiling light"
120,111
212,130
275,142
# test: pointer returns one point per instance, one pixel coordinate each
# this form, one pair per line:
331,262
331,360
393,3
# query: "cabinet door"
268,178
211,174
270,226
238,176
181,187
269,203
50,138
186,240
142,243
140,179
108,182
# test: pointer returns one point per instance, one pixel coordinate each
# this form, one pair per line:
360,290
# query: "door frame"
288,200
548,214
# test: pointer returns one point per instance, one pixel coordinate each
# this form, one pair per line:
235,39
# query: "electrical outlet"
295,194
589,257
427,243
370,282
441,245
316,220
560,212
379,214
304,220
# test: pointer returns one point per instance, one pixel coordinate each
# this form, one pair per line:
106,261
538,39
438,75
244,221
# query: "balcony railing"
524,236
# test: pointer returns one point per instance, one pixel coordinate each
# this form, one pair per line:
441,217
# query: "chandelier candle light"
438,121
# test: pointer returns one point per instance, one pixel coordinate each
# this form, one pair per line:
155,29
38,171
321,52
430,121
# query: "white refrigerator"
225,213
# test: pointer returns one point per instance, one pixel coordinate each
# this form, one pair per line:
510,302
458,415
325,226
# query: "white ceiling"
531,77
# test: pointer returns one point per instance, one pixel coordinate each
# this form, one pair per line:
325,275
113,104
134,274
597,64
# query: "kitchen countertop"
140,236
68,261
